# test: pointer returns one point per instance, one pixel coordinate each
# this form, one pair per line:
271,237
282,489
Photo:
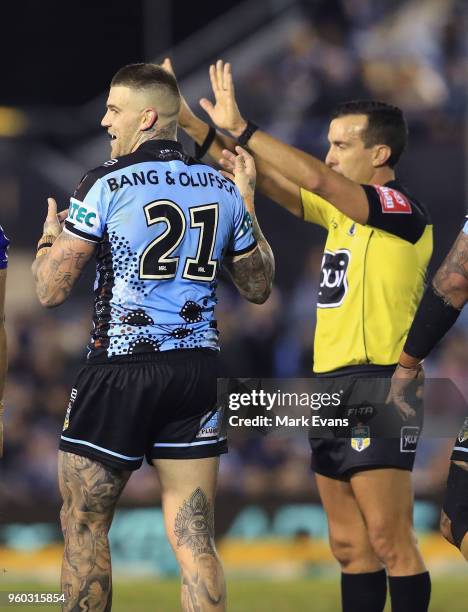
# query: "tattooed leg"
189,517
90,492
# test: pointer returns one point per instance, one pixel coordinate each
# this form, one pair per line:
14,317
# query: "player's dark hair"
386,125
142,76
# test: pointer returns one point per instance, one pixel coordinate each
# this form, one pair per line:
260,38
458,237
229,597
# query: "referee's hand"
224,112
402,380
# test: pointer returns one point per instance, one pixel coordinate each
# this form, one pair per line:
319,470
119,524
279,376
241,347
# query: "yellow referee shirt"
372,277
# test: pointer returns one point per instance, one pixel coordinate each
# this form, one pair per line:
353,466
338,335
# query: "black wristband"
43,246
247,133
432,321
201,150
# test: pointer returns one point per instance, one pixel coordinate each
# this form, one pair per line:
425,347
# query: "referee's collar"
161,147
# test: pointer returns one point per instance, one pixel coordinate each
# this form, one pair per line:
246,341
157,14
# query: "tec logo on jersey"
333,278
80,214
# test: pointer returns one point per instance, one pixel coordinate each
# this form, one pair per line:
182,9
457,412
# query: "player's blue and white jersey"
163,223
465,227
4,243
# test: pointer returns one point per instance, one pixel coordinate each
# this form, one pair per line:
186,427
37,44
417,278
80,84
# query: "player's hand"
224,112
402,380
185,113
54,222
241,168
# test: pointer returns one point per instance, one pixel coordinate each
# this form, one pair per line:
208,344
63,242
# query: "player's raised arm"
209,141
252,272
296,166
60,258
3,340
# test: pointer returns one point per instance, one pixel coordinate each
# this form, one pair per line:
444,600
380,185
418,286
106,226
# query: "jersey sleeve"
392,211
242,239
316,209
88,209
4,244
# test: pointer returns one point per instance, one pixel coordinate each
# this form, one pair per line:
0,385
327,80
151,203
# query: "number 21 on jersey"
157,262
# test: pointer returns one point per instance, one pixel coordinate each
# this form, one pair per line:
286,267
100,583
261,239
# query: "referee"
439,309
379,243
4,242
160,225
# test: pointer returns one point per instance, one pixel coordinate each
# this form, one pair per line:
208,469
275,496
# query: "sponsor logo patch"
361,438
409,436
463,433
333,278
73,394
80,214
393,201
210,425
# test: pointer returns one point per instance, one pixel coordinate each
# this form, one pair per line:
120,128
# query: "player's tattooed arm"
90,492
203,585
451,279
57,270
253,272
60,258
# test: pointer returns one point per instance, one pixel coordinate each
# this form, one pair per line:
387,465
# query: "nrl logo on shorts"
361,438
463,433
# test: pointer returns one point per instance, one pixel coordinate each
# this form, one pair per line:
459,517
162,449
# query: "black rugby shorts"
341,457
158,405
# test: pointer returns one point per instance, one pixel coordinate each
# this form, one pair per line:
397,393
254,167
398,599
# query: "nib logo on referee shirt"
333,281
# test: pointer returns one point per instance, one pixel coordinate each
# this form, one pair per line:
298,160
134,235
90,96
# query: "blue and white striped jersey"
163,223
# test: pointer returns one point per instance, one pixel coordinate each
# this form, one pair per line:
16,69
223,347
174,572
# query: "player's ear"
381,155
150,117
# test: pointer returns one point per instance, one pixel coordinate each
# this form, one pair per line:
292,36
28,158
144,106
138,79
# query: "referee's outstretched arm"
297,168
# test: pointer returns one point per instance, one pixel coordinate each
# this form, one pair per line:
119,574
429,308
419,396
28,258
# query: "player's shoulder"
91,177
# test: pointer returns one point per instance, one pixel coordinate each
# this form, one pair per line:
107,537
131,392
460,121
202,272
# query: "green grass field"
319,595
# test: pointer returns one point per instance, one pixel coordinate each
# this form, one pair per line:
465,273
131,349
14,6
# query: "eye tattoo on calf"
194,524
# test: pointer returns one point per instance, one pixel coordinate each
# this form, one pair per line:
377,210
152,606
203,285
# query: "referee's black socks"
410,593
364,592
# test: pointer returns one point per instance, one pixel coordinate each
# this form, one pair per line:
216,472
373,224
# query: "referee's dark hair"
143,76
386,125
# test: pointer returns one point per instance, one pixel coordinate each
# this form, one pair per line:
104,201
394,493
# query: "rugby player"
378,246
439,309
160,224
4,242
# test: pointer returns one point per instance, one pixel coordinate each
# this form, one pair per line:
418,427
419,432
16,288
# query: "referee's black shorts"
158,405
364,394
